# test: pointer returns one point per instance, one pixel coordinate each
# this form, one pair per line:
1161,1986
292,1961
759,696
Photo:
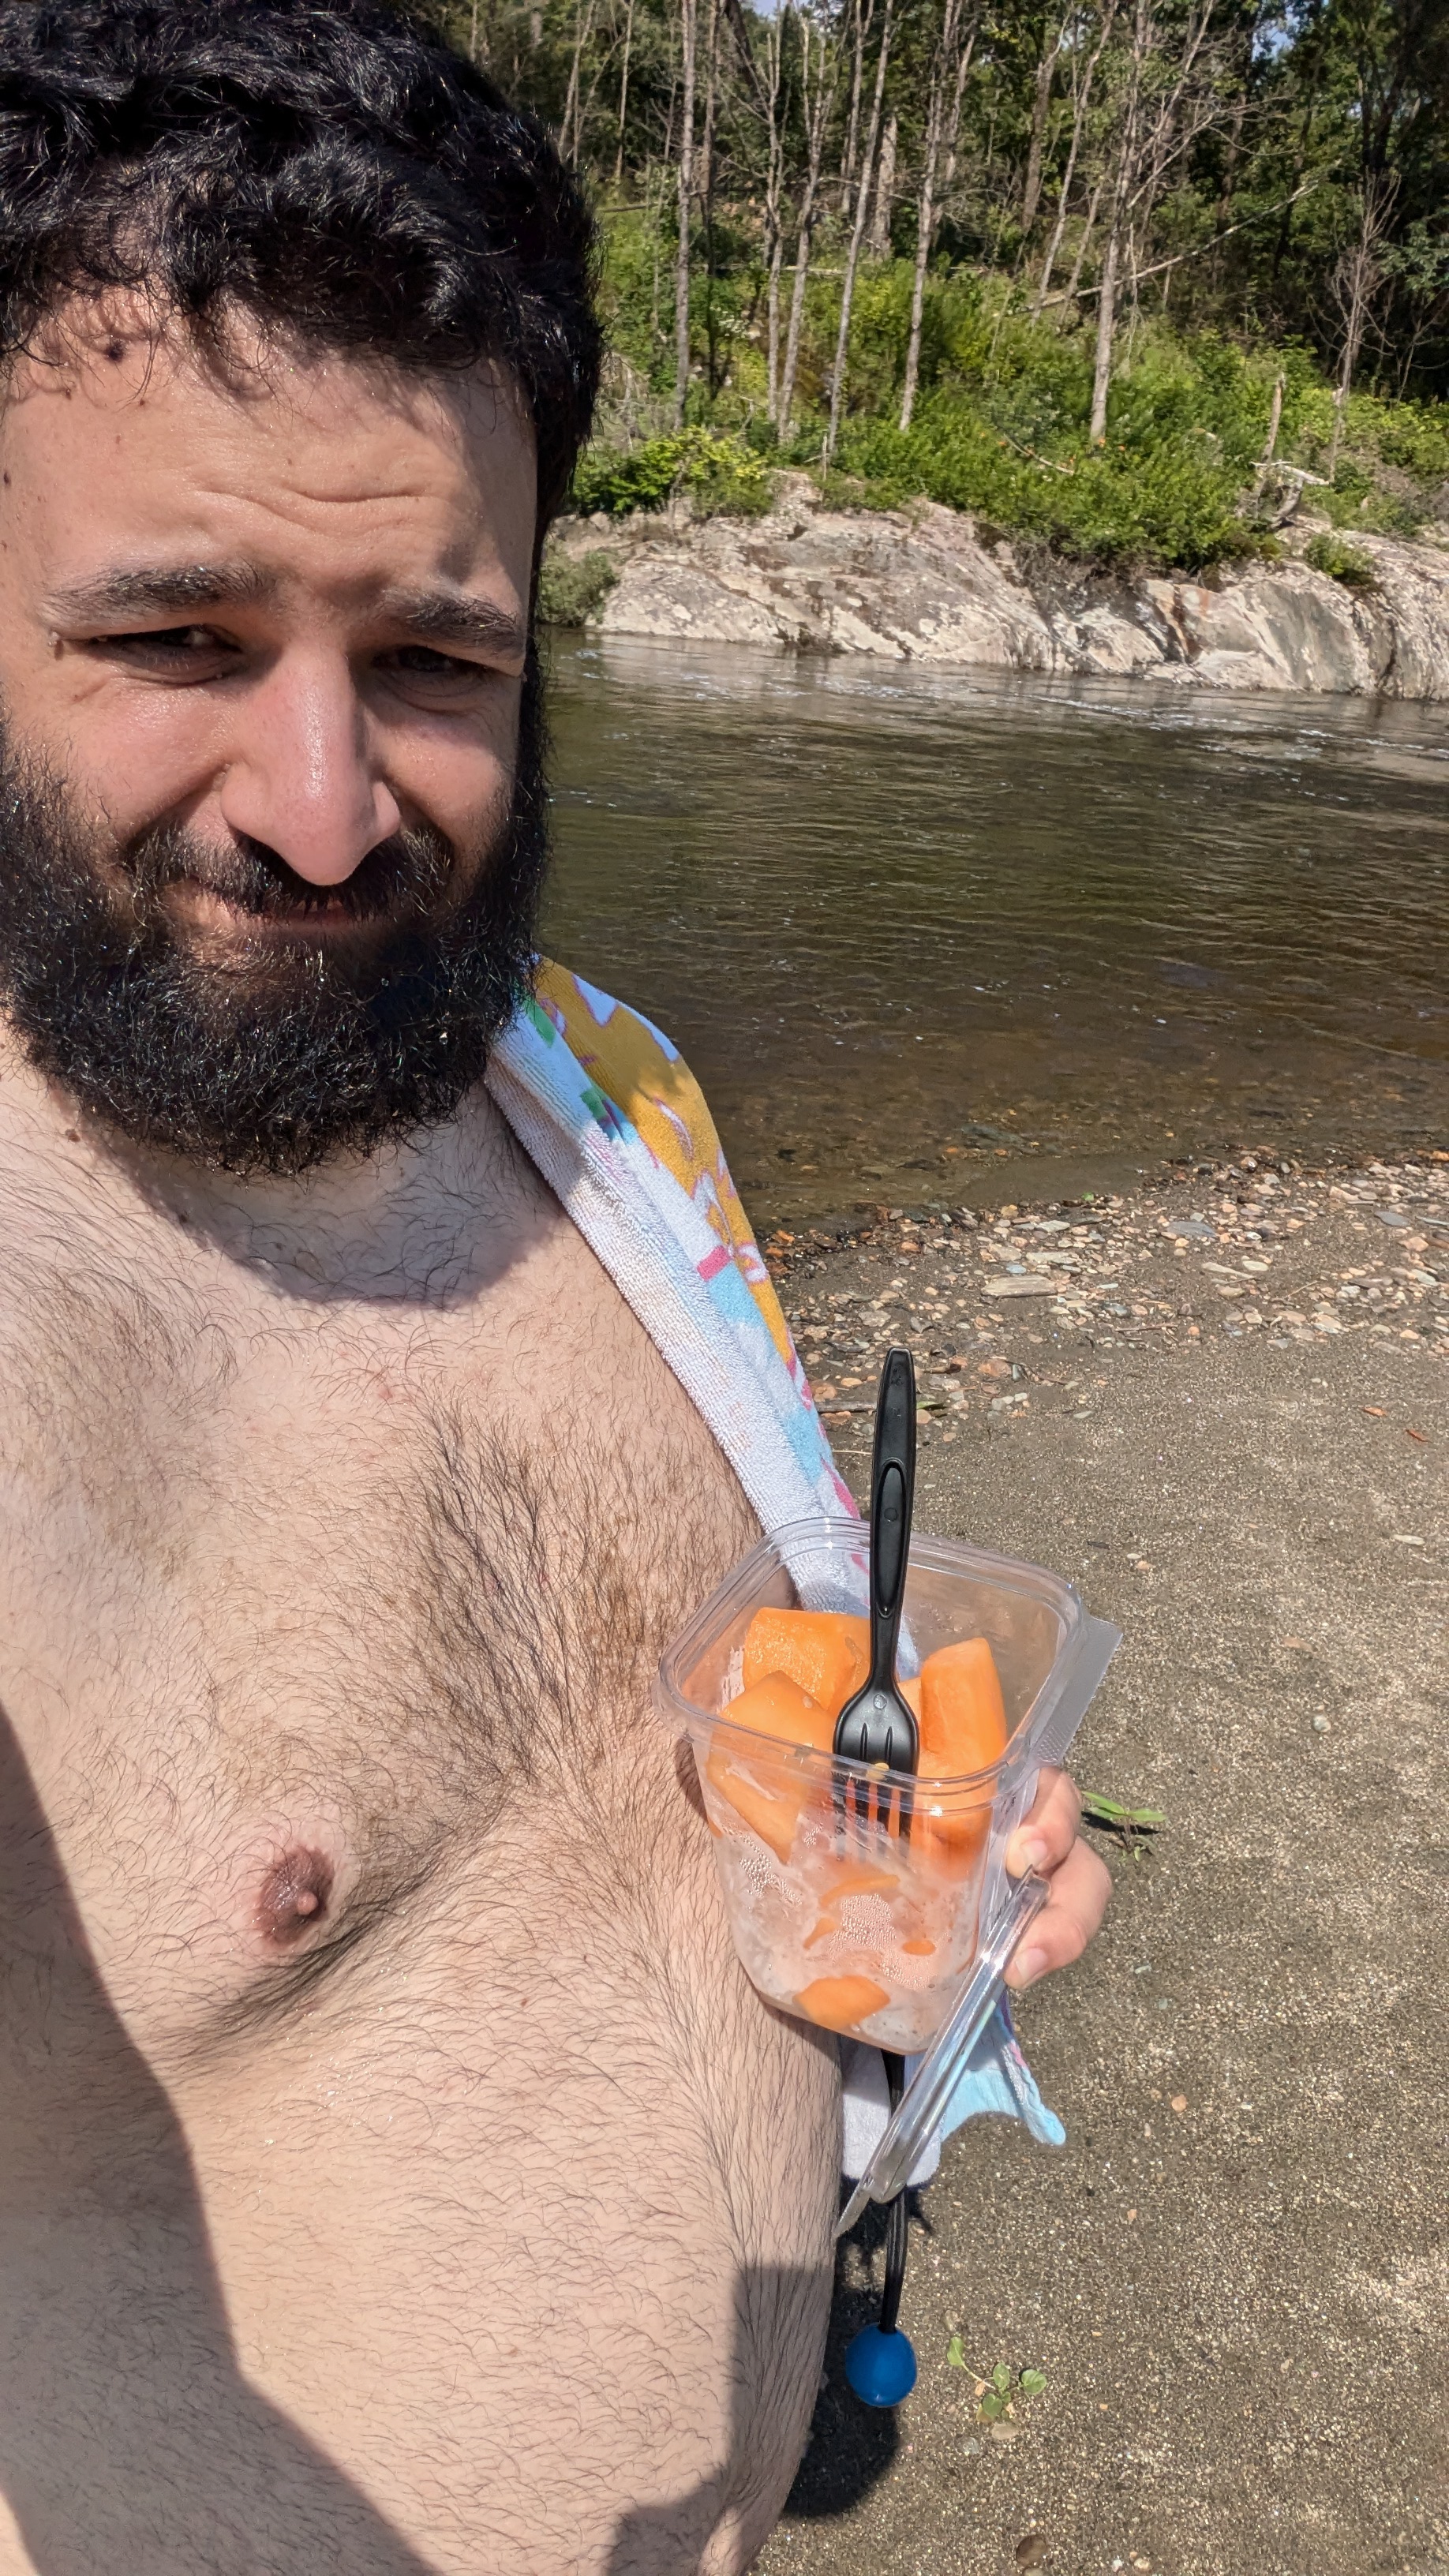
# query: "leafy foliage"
1341,561
718,471
571,589
1290,235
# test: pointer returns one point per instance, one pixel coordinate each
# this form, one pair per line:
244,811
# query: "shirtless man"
396,2172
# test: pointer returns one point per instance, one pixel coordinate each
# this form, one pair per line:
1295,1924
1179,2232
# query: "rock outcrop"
921,585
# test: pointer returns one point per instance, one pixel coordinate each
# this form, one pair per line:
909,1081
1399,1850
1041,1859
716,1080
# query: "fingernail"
1026,1970
1035,1853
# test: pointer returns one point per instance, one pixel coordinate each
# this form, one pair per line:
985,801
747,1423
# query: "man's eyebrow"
159,590
170,590
456,617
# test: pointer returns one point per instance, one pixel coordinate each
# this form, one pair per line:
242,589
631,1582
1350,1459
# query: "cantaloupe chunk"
963,1719
857,1879
826,1651
841,2003
861,1880
768,1790
963,1730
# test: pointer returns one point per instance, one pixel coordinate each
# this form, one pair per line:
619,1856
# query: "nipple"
294,1896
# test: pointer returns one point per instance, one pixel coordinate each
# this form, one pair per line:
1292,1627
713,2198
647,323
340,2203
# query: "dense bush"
720,473
1341,561
570,588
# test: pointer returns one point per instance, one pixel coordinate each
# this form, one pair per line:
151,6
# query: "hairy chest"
299,1603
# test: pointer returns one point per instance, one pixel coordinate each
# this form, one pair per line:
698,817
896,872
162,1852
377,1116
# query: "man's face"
272,838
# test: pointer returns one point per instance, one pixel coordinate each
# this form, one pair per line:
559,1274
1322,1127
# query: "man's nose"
302,778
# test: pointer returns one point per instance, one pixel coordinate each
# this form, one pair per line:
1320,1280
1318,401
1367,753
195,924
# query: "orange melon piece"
765,1791
862,1880
857,1880
840,2003
963,1729
963,1718
826,1651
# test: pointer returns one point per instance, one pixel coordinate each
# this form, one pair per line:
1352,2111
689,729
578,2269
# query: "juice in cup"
855,1897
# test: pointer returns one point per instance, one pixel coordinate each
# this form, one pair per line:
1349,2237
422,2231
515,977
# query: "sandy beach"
1221,1407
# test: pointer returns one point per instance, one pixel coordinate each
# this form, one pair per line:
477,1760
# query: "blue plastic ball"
881,2368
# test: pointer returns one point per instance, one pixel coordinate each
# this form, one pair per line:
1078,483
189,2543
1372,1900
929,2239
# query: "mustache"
402,879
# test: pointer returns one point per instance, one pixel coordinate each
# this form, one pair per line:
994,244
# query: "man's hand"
1049,1843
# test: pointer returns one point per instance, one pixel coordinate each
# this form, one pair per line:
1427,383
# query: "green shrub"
1341,561
722,476
571,589
1172,503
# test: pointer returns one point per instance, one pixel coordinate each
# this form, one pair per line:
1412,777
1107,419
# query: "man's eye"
422,662
167,644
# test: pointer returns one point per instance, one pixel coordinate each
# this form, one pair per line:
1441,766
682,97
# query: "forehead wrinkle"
146,588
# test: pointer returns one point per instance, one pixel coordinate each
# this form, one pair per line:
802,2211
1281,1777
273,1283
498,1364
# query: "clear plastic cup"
839,1915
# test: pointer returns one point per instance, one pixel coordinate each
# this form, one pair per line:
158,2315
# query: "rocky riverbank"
1220,1406
926,585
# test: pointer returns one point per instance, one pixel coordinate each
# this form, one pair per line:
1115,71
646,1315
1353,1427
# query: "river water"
961,936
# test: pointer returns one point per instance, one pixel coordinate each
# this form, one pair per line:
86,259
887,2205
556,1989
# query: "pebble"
1254,1247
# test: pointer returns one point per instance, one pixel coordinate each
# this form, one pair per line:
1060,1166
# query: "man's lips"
208,911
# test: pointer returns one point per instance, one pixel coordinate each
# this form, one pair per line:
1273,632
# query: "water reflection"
938,935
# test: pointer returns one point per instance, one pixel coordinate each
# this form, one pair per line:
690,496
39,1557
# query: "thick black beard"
293,1053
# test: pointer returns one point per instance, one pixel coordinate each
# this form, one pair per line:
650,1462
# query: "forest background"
1132,279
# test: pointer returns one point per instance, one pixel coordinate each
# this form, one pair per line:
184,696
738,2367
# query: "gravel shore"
1221,1407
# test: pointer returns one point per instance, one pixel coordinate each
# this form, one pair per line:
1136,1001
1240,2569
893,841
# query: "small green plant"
1333,554
722,476
1126,1825
998,2392
572,588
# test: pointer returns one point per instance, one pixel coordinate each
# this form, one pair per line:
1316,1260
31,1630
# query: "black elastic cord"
897,2240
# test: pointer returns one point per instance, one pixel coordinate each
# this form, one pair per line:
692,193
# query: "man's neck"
424,1220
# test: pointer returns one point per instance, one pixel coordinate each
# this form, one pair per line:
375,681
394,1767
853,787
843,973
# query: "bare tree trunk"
878,241
656,219
1106,319
857,233
817,112
1116,224
926,209
1089,225
624,94
689,29
704,178
774,211
864,12
473,34
706,191
1355,283
1040,108
583,29
1079,119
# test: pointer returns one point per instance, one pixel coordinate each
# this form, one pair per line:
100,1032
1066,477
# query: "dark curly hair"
329,167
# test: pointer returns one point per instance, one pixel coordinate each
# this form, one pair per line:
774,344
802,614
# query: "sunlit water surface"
947,936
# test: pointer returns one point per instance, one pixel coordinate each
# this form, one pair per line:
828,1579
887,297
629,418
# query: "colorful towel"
617,1125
